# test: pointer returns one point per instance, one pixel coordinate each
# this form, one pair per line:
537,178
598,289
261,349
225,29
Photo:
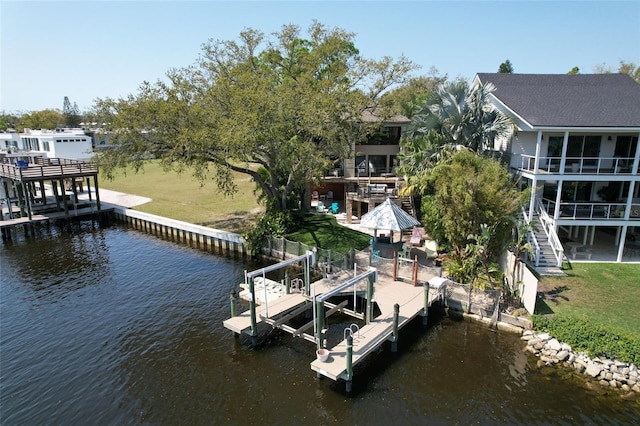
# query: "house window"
554,152
583,147
626,149
385,136
45,146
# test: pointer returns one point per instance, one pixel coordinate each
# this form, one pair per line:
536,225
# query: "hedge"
593,338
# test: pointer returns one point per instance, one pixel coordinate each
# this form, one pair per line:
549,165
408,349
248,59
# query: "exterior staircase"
408,206
546,264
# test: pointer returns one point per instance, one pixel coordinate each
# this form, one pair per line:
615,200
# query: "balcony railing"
46,168
587,210
577,165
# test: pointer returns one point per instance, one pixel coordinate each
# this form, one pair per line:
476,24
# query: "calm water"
109,326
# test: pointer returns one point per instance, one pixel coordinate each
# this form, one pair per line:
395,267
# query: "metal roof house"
576,146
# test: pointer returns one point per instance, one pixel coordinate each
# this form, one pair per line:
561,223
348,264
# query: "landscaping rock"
553,344
594,369
606,373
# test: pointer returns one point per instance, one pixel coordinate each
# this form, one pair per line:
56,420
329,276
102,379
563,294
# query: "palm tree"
463,115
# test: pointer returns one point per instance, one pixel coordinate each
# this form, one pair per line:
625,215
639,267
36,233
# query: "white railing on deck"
586,210
577,165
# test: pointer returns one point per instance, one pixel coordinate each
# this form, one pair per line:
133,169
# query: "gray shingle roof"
560,100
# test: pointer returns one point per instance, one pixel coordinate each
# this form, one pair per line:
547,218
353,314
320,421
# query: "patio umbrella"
389,216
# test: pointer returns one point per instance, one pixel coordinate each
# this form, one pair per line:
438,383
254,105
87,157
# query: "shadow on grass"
237,222
552,296
542,308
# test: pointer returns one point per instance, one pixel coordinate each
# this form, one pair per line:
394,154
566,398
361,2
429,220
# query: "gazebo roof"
389,216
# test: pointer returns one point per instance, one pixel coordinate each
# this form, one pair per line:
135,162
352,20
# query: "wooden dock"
411,300
373,335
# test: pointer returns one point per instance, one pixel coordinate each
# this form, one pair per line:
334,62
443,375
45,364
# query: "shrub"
591,337
275,223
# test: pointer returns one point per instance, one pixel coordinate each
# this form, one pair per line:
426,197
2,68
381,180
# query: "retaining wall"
197,236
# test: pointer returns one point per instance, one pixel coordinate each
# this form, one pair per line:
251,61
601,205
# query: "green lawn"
322,231
182,197
608,293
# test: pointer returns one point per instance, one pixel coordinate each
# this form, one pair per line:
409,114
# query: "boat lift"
308,259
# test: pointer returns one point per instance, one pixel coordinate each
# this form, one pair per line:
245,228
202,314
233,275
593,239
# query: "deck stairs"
547,263
407,204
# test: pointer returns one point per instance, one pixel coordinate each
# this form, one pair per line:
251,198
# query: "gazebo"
387,216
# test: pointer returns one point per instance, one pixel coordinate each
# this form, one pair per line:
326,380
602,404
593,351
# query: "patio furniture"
404,253
330,196
315,196
579,250
431,249
320,208
417,235
334,208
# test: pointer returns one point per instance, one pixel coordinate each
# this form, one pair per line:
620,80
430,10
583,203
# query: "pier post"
369,312
287,283
396,317
97,190
307,275
252,307
425,318
234,305
320,324
395,266
349,363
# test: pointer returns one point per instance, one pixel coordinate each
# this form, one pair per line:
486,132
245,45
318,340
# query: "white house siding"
71,144
74,147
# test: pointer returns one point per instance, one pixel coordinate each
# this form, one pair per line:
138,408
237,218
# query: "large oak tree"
279,109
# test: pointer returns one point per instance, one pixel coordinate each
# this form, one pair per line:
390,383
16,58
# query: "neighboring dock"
398,303
37,189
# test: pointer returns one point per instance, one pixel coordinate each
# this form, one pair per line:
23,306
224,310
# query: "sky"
90,50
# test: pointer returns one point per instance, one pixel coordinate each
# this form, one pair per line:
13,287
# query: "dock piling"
396,316
349,363
425,318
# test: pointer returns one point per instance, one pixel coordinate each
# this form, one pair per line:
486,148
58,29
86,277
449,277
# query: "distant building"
72,144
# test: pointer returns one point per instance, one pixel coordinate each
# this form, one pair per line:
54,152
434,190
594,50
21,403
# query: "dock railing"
332,261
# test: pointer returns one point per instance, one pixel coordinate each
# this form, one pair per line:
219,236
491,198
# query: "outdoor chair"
330,195
315,196
417,235
320,208
334,208
404,253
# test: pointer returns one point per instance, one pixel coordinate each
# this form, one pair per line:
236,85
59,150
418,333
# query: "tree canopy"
472,207
277,109
624,67
71,113
506,67
45,119
404,99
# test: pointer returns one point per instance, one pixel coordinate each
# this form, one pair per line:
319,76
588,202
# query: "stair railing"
550,231
532,240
